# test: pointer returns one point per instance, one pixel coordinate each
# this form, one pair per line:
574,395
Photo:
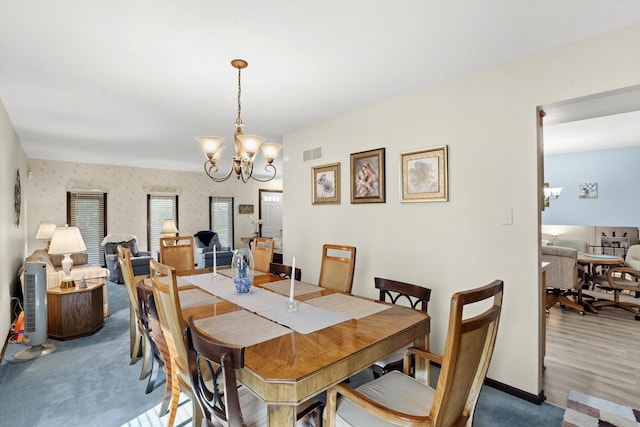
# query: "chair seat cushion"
393,390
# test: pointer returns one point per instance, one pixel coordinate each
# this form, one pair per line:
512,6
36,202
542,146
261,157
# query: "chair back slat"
467,354
394,291
262,252
124,256
336,270
178,252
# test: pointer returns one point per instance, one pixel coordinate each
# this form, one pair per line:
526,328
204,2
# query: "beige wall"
127,190
488,120
12,238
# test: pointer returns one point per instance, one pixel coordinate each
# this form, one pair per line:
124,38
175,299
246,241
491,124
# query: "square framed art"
325,184
368,176
424,175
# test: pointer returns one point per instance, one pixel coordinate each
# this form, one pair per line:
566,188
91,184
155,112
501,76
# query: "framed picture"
367,177
325,184
424,175
245,209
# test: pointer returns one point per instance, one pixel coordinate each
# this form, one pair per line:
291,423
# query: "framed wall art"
245,209
424,175
368,177
325,184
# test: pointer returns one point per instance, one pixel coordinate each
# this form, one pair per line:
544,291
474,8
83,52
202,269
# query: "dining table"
292,356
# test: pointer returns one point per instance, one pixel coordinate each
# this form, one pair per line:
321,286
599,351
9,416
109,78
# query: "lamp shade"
67,240
169,226
45,231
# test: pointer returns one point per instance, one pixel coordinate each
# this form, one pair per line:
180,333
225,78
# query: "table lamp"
65,241
169,228
45,232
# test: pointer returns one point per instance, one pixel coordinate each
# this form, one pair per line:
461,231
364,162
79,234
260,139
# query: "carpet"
152,417
586,411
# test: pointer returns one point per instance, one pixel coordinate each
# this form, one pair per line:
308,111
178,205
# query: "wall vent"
312,154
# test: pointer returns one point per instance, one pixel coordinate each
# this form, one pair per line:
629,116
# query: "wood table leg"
281,415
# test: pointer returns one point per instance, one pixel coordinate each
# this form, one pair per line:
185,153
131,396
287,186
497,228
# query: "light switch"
507,216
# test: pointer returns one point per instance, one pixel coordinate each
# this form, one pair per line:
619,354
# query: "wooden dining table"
292,368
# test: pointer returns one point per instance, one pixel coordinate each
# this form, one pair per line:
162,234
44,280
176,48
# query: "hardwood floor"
596,354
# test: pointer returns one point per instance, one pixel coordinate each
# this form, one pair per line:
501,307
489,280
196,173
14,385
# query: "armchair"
139,259
204,242
623,278
562,277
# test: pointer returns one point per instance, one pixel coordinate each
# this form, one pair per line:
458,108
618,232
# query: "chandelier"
246,147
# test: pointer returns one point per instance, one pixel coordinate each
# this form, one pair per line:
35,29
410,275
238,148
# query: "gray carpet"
89,382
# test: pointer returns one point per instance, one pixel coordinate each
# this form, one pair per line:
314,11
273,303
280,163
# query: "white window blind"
159,208
87,211
221,218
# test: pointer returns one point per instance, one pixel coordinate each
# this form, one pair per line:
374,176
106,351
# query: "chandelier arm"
266,168
209,167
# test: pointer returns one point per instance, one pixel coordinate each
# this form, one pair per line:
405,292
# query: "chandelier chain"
238,119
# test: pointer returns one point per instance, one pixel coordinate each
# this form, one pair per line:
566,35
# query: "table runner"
299,288
268,304
241,328
351,306
195,297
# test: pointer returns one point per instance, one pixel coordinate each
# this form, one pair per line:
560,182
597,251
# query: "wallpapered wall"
127,190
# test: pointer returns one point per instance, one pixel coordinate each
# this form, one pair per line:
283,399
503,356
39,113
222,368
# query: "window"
88,212
159,208
221,219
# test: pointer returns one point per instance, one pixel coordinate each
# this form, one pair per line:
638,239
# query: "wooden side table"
75,312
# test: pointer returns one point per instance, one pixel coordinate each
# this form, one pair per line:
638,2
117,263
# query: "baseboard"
538,399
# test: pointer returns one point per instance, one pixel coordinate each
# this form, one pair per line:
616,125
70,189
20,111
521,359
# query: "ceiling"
133,82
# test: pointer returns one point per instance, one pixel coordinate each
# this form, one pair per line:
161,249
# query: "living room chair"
138,344
336,270
398,399
262,252
563,286
139,259
416,297
619,279
205,241
283,270
177,252
213,365
165,293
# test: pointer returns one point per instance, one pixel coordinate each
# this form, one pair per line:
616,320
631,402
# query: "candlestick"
293,275
214,261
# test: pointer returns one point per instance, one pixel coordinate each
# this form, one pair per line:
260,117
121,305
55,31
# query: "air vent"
312,154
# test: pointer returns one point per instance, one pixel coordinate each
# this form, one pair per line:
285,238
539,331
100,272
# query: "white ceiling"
132,82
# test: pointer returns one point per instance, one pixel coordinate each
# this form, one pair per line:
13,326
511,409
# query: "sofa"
80,269
139,259
204,242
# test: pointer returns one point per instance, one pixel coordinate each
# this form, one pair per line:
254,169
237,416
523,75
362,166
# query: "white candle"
214,260
293,275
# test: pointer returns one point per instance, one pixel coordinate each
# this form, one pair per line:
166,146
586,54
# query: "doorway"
270,214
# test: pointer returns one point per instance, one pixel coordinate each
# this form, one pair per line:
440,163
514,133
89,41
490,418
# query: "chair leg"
146,355
628,306
175,395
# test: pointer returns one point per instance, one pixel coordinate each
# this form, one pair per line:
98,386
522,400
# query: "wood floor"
596,354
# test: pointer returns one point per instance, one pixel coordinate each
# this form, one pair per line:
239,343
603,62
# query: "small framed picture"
245,209
424,175
367,177
325,184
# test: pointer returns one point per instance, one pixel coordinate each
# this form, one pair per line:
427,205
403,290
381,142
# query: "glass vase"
243,270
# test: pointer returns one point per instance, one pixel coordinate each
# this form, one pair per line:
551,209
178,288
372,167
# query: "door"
271,216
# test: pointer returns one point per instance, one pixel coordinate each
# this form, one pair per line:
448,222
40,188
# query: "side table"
74,312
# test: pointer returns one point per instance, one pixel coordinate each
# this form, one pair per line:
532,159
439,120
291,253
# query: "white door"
271,215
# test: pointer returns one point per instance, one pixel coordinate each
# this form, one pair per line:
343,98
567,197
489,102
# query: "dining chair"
283,270
151,323
213,365
178,252
165,293
619,279
262,252
393,291
398,399
336,270
138,344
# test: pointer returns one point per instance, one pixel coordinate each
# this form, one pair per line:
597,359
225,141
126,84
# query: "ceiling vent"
312,154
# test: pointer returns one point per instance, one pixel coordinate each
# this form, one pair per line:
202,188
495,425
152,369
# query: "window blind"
221,218
159,208
87,211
